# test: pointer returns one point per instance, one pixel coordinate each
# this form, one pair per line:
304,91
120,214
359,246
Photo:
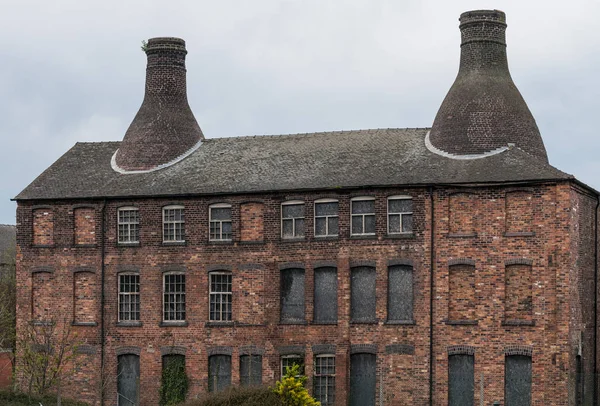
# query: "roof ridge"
318,133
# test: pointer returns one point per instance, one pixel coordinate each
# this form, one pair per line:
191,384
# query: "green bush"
174,382
240,396
8,398
291,390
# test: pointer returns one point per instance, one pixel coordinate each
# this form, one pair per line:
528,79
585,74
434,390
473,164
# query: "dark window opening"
250,370
363,301
219,372
292,295
400,293
326,306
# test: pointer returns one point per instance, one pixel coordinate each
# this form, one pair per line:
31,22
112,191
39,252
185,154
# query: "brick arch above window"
518,261
173,350
363,349
251,350
79,269
220,350
517,349
44,268
128,350
461,350
461,261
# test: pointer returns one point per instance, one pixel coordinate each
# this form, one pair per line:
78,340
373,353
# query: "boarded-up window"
292,294
362,306
400,293
325,295
251,370
461,295
463,213
517,380
85,226
519,212
128,380
84,292
363,378
461,380
252,221
44,296
43,227
173,371
518,302
219,372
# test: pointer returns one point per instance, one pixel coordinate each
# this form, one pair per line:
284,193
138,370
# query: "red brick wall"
252,221
85,297
461,292
255,268
463,214
43,227
517,292
519,211
85,225
5,370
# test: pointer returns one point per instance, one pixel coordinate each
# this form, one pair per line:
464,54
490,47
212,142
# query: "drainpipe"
102,266
431,285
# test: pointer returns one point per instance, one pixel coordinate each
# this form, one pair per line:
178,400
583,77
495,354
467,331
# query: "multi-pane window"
326,218
220,296
129,297
173,224
220,222
250,370
324,379
219,372
400,215
288,361
129,225
292,219
292,295
174,297
363,216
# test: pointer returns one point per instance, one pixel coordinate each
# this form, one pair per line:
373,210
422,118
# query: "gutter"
431,285
102,298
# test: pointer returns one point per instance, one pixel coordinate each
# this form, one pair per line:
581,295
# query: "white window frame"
211,293
130,294
288,356
327,217
129,224
398,197
164,278
174,222
292,203
331,376
358,199
210,221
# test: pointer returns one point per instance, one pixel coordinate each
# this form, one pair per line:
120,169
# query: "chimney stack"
483,111
164,129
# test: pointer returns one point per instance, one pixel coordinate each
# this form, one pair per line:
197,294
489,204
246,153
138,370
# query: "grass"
8,398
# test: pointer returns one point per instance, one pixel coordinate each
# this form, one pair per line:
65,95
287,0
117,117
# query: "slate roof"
7,240
328,160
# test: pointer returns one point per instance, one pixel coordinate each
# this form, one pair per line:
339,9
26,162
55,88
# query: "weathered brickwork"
519,212
463,213
43,227
85,226
252,221
556,254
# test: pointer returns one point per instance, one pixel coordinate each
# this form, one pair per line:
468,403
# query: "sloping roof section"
328,160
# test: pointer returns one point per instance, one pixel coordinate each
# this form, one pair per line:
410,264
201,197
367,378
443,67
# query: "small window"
362,295
292,295
129,225
326,306
292,219
129,297
400,215
250,370
324,379
220,222
287,361
173,224
219,372
326,218
363,216
220,296
174,297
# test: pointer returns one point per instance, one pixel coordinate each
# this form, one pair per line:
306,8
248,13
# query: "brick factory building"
450,265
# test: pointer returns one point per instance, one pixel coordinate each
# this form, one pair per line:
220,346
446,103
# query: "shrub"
291,389
238,396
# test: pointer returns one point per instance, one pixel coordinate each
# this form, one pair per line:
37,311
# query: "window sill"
401,322
462,322
173,324
219,324
42,245
462,235
513,323
298,239
260,242
293,322
324,323
84,323
403,236
128,244
520,234
220,242
85,245
326,237
363,237
129,324
174,243
363,321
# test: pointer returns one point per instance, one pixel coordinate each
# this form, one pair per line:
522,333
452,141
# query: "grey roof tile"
328,160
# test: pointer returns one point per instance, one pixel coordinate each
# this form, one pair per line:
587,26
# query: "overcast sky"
73,70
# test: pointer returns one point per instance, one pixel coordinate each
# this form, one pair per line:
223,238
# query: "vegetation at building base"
8,398
174,381
8,293
289,391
